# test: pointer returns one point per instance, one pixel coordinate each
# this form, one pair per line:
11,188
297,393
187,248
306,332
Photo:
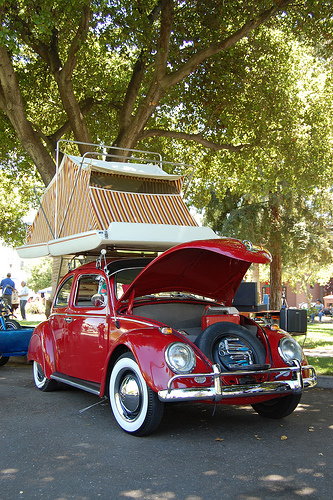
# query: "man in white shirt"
24,295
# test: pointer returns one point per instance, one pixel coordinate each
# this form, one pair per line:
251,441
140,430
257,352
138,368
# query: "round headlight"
180,357
289,349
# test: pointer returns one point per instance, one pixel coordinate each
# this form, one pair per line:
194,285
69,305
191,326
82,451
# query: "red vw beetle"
146,332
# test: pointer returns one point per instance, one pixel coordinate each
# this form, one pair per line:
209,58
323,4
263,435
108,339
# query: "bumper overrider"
218,391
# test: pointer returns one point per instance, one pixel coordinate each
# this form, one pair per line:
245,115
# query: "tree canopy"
39,275
122,72
282,190
305,231
240,89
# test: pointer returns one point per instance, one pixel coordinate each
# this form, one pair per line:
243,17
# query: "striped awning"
70,206
75,212
116,206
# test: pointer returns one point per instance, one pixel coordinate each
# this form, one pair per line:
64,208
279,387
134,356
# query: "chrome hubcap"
40,374
128,397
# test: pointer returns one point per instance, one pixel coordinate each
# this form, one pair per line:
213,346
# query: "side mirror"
98,300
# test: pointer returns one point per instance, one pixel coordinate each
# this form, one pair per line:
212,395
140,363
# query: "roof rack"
126,158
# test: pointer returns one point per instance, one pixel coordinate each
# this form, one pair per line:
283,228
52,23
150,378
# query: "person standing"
7,285
23,296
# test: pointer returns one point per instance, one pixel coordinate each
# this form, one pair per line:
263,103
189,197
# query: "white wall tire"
135,406
41,382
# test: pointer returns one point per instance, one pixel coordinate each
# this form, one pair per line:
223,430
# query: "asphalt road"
49,450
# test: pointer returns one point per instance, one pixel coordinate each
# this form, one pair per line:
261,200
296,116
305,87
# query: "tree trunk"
128,138
275,249
256,279
73,112
275,282
59,269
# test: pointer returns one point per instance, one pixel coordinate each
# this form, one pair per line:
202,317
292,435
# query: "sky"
10,262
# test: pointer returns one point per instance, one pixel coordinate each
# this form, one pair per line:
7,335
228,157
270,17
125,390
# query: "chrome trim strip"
135,320
219,391
85,386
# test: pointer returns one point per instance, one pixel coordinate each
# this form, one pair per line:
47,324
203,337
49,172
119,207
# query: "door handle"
68,320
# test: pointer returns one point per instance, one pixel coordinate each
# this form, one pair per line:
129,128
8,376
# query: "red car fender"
41,349
148,347
274,337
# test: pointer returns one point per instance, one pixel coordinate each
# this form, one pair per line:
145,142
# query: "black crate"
246,295
246,298
294,320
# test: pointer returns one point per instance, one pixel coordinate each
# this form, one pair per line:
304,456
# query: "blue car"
14,338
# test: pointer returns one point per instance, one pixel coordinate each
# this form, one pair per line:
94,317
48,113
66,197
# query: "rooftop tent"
94,203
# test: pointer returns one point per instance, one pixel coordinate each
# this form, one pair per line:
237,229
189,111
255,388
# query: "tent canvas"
93,203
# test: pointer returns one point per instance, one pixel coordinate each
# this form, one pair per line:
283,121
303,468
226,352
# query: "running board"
92,387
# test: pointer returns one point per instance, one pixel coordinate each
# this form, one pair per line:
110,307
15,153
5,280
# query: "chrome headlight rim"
289,349
186,356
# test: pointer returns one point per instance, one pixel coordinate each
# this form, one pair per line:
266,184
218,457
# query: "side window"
62,297
91,291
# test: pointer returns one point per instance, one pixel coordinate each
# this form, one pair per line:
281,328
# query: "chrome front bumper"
218,391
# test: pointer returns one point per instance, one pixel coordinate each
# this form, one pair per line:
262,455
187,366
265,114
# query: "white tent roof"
148,170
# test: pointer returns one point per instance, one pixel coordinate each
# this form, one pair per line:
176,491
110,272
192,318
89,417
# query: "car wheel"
135,406
278,407
12,324
231,346
42,383
3,359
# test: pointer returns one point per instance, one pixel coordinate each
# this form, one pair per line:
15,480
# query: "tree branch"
167,15
192,137
77,40
162,81
49,54
51,140
155,12
128,137
136,79
12,105
62,74
132,93
172,79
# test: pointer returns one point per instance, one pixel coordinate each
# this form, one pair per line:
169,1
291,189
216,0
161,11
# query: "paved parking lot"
52,449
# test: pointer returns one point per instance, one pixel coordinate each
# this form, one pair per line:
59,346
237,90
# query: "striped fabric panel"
179,184
116,206
80,216
39,231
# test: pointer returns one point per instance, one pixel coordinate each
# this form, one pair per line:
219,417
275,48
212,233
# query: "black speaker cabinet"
246,295
246,298
294,320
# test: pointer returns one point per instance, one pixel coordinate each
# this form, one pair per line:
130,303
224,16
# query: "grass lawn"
320,335
25,322
33,320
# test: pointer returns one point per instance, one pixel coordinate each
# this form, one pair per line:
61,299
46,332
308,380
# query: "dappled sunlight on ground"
148,495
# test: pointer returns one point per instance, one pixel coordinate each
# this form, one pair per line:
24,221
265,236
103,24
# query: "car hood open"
209,268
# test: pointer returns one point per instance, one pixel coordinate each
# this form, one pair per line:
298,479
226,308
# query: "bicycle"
7,321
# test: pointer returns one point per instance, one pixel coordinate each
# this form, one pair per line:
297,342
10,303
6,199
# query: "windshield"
124,278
